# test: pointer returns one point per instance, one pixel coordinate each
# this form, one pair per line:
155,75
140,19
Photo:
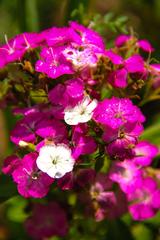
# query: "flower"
30,181
144,153
126,174
132,65
47,221
145,200
81,113
53,63
55,160
80,56
117,112
67,94
88,36
82,143
10,164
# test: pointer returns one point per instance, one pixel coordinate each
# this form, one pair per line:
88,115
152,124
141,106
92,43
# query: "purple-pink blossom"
30,181
47,220
117,112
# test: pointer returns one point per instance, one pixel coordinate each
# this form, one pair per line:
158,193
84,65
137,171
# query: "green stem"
28,15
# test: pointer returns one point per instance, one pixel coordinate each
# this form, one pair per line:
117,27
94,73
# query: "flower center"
35,175
54,159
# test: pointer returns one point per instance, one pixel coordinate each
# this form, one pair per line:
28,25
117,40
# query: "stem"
28,15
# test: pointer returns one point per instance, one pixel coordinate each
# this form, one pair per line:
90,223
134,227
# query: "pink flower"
47,221
116,112
30,181
88,36
53,63
101,201
52,129
25,128
145,45
126,174
121,142
134,64
144,153
15,48
82,142
67,94
66,182
118,78
115,58
10,164
146,200
154,70
121,40
61,36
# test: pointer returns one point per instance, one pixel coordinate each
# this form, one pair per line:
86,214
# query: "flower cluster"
78,106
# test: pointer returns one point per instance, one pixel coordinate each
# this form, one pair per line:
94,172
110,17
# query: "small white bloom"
81,113
55,160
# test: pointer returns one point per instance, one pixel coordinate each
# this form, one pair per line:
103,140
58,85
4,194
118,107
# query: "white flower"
81,113
55,160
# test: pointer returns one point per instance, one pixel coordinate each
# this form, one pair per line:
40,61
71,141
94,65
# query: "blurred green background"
35,15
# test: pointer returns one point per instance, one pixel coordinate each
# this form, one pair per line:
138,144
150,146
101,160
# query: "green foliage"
110,22
8,188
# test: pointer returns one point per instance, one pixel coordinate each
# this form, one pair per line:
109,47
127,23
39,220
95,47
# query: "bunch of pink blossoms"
79,129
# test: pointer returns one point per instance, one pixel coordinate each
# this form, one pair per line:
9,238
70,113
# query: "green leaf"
16,209
4,87
108,17
152,134
118,230
141,232
7,188
38,96
99,163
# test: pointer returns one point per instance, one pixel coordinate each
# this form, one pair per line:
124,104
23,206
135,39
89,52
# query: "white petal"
92,105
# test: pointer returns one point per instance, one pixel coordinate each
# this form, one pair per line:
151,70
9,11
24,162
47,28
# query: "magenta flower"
66,182
117,112
145,200
28,40
101,201
154,69
68,94
30,181
25,128
145,45
121,148
135,64
118,78
61,36
142,44
115,58
121,40
132,65
53,63
121,142
10,164
82,142
47,221
51,129
15,48
88,36
126,174
144,153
